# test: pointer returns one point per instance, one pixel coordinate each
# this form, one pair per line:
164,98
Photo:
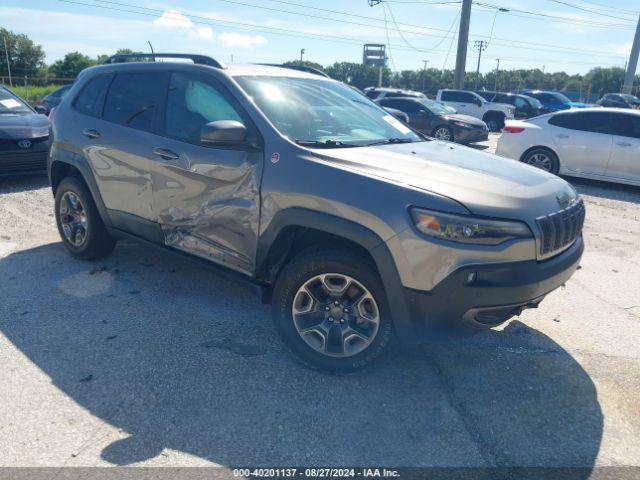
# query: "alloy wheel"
539,160
442,134
73,219
335,315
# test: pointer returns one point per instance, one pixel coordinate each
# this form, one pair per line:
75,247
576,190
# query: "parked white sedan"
598,143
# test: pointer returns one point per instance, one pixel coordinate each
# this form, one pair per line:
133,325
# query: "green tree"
71,65
25,57
358,75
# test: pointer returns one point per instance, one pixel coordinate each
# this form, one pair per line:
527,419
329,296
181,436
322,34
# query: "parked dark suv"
526,107
354,227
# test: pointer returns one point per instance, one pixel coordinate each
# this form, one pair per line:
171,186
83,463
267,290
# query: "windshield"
11,105
630,98
534,102
437,108
323,113
560,97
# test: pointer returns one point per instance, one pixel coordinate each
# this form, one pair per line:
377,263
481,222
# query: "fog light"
472,277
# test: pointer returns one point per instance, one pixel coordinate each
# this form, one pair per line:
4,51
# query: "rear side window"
596,122
407,106
453,97
192,102
626,125
372,94
134,98
91,98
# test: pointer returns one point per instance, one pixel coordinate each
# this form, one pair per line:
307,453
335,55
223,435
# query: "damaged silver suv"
356,229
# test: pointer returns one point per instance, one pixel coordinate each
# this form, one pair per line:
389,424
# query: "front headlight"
468,229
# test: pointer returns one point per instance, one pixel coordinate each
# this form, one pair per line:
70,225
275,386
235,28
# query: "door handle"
623,144
166,154
562,135
91,133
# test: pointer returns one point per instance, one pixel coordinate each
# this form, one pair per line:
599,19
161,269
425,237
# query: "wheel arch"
60,169
294,229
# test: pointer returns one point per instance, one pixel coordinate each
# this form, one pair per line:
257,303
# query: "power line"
608,7
156,13
555,18
578,7
510,42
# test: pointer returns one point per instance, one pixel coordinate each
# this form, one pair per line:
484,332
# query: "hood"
465,118
582,105
26,126
485,184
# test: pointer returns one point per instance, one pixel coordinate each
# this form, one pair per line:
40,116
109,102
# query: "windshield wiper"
324,144
388,141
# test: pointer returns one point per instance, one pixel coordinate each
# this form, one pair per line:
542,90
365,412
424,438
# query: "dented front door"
206,199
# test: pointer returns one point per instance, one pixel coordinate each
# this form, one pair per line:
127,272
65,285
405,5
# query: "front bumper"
485,295
15,161
465,135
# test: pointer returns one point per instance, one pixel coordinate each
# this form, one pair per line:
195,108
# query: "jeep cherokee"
356,228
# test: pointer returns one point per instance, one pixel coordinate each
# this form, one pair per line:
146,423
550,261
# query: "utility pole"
495,81
463,40
6,53
633,62
480,45
424,73
301,54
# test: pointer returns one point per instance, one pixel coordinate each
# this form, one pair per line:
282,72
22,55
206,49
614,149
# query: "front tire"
330,309
80,226
443,133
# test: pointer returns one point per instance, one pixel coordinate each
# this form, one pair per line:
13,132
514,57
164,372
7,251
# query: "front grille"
23,162
561,228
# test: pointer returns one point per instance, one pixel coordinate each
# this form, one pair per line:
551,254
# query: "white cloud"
235,39
623,49
174,19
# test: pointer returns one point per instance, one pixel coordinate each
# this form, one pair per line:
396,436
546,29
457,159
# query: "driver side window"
192,102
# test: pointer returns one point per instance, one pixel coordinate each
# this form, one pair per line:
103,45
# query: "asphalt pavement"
145,359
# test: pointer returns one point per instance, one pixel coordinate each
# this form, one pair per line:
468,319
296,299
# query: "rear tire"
328,330
542,158
80,226
495,122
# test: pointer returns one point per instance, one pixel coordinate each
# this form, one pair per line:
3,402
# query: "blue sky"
560,37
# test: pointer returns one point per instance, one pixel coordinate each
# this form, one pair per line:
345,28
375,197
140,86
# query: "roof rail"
301,68
198,59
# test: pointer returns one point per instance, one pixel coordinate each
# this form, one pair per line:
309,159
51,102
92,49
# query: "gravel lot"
143,359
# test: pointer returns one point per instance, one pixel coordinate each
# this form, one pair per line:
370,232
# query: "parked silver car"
355,228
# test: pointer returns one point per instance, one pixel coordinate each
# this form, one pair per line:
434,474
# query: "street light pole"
495,81
301,54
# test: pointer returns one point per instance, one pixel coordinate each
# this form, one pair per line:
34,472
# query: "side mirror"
424,113
223,132
40,109
478,102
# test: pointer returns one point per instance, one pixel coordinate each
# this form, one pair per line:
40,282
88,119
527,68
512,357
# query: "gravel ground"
142,359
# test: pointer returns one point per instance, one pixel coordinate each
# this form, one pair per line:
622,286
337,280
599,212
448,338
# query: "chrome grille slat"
559,229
